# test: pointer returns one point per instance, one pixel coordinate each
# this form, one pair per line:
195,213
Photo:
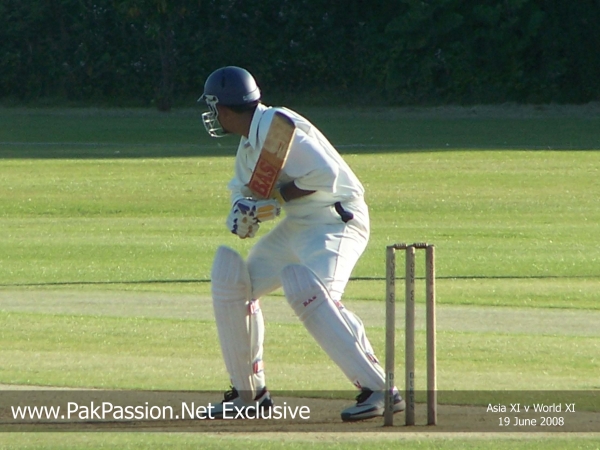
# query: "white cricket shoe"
370,404
233,404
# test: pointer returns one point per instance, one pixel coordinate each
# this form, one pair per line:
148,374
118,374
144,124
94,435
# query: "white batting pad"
340,333
239,322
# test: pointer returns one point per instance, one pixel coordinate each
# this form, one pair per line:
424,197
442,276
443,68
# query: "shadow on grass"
68,150
114,134
122,151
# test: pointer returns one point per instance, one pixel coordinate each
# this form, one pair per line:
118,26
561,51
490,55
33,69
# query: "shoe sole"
372,413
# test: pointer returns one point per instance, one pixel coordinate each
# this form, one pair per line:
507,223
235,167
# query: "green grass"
131,204
369,441
152,353
144,133
497,217
202,440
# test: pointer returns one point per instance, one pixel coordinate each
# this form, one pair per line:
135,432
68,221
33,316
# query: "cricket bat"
272,156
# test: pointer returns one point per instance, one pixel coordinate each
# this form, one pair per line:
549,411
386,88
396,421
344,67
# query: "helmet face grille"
212,125
211,101
210,119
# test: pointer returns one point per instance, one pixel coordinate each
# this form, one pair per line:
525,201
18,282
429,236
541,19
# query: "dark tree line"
394,52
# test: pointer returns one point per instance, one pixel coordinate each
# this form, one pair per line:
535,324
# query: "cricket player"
310,252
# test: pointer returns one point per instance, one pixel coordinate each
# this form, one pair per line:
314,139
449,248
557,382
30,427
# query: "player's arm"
246,214
289,192
310,170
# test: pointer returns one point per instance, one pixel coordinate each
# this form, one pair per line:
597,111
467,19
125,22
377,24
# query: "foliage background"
393,52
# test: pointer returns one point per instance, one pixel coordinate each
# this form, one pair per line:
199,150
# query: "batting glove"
262,210
244,225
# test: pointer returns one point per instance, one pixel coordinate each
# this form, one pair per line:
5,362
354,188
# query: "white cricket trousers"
329,249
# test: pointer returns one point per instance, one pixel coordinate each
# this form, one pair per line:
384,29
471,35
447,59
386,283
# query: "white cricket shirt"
313,164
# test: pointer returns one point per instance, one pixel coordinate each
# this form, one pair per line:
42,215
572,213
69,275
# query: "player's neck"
241,128
241,124
236,122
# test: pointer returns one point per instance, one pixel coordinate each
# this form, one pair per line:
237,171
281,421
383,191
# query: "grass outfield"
126,441
110,219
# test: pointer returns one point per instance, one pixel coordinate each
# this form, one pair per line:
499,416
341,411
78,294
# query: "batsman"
284,162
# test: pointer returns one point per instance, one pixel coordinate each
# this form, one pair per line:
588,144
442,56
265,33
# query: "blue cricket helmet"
228,86
232,86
